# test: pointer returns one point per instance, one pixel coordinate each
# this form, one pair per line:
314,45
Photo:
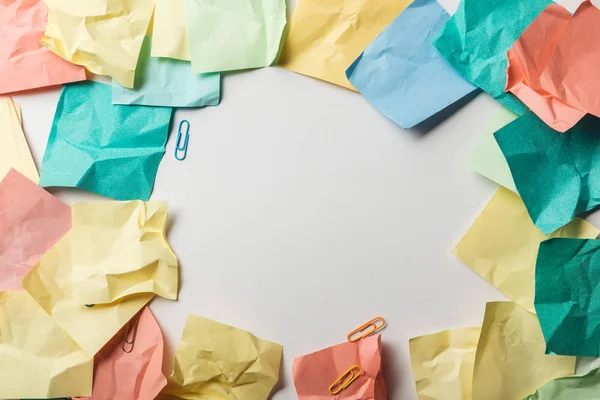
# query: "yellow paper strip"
170,39
14,151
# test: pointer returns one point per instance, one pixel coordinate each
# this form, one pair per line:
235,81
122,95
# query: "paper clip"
375,324
346,379
179,147
130,331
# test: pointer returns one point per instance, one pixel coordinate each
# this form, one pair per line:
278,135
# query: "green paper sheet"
478,36
168,83
103,148
227,35
586,387
556,174
567,296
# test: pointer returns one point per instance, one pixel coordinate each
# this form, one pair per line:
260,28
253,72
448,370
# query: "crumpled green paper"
584,387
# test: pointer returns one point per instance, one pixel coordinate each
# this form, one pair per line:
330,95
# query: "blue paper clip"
182,147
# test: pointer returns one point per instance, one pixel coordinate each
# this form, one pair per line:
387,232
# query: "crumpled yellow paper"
170,38
442,363
326,36
510,362
37,358
218,361
502,245
119,249
105,36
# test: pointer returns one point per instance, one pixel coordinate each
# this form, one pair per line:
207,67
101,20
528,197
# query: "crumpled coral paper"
314,373
502,244
105,36
584,387
120,249
218,361
510,362
326,36
37,358
24,63
567,278
135,375
104,148
169,36
402,74
442,363
31,222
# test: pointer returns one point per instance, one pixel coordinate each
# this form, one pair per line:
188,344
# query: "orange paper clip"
366,329
346,379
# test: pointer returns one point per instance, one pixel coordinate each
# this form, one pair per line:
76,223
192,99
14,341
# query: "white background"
301,212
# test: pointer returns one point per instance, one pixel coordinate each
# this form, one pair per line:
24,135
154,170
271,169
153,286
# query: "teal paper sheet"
567,296
478,36
103,148
168,82
585,387
556,174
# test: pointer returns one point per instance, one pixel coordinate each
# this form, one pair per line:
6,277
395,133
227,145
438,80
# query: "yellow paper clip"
346,379
375,324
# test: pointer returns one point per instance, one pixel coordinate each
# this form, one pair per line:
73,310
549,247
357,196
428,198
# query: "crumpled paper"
227,36
584,387
567,275
314,373
120,249
103,148
442,363
326,36
37,358
170,39
557,175
131,376
528,58
510,362
478,36
14,150
502,244
402,74
168,83
24,63
105,36
215,360
31,222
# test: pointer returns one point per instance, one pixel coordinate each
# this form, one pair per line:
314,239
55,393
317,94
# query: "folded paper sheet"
14,151
557,175
105,36
528,58
37,358
402,74
502,245
487,158
169,37
567,278
31,222
120,249
215,360
136,375
232,35
326,36
314,373
478,36
584,387
96,146
24,63
168,83
510,362
442,364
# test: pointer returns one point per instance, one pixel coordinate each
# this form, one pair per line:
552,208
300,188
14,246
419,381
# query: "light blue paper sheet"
402,74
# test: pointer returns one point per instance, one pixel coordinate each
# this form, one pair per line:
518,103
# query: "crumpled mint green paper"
478,36
104,148
585,387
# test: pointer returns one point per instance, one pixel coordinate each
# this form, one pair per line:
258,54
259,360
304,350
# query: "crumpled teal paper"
103,148
402,74
583,387
556,174
478,36
168,82
567,296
